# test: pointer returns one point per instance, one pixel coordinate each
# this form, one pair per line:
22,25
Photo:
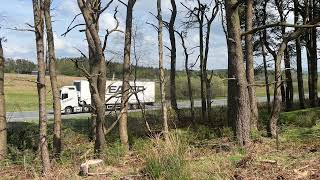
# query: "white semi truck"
77,98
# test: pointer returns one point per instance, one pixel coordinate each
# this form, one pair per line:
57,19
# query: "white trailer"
77,98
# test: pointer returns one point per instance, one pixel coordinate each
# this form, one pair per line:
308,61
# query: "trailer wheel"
86,109
68,110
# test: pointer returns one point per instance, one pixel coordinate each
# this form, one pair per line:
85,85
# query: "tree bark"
97,80
162,75
238,97
53,79
173,51
3,121
123,130
41,86
202,72
250,67
299,58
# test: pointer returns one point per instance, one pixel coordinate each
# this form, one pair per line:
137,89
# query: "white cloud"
108,22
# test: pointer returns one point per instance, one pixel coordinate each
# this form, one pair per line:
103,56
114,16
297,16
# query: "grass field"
21,91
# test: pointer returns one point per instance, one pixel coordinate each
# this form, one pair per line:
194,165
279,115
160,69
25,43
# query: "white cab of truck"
77,98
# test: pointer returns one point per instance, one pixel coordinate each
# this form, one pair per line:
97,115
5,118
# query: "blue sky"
22,44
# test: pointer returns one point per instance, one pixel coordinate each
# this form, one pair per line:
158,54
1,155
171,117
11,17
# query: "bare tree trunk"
123,130
162,75
97,78
238,107
3,121
41,86
249,66
173,51
54,82
189,74
276,108
299,59
266,76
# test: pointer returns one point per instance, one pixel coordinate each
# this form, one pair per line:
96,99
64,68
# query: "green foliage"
166,160
114,152
20,66
300,118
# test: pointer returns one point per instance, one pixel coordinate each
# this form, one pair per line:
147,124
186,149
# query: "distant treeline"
66,66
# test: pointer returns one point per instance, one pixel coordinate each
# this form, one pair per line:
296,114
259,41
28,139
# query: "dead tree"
38,13
53,79
3,122
250,67
182,36
199,16
123,130
162,73
238,97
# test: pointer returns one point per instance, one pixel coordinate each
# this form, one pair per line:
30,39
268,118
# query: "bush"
166,160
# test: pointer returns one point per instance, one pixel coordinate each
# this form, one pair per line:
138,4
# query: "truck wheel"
68,110
86,109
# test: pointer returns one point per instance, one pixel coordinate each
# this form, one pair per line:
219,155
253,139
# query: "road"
34,115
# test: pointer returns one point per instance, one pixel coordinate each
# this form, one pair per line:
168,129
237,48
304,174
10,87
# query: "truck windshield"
64,96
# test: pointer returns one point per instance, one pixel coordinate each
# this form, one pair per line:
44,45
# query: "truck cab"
69,99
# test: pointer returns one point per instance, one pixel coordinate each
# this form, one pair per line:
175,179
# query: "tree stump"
84,168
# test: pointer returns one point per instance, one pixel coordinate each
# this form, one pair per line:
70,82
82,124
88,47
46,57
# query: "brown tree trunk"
249,66
3,121
238,97
162,75
98,78
123,130
173,51
299,59
276,108
53,80
41,86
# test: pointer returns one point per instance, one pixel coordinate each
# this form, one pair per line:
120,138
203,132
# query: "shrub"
166,160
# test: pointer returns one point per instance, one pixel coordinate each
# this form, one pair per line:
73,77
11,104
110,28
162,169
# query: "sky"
19,44
22,44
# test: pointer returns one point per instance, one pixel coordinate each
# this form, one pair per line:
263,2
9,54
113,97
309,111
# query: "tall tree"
238,97
289,83
250,67
3,122
311,44
173,56
162,74
53,80
299,58
91,11
126,76
38,14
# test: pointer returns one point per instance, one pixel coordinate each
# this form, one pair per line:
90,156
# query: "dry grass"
21,91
